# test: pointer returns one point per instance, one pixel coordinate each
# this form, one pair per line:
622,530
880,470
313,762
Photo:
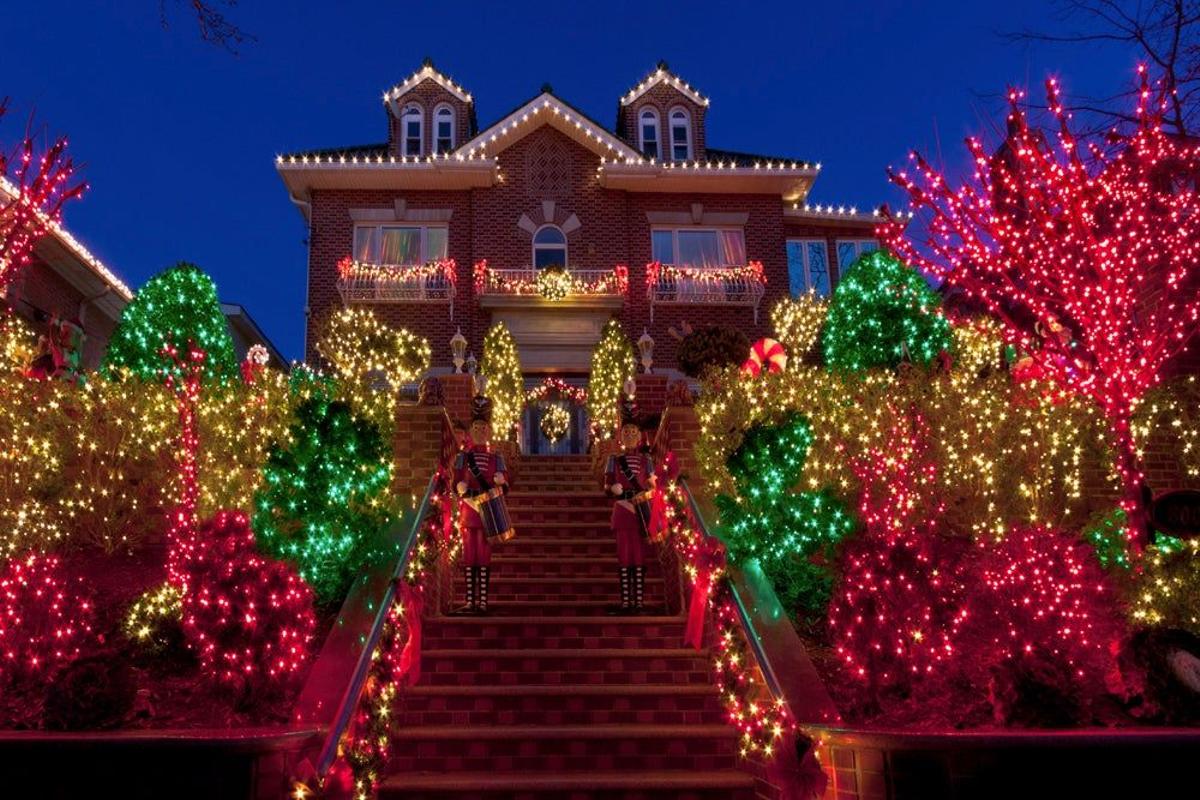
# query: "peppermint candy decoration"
765,354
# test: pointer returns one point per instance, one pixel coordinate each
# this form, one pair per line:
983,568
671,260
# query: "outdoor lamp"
472,364
645,346
458,347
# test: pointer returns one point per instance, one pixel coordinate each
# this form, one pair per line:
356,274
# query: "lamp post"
645,346
458,347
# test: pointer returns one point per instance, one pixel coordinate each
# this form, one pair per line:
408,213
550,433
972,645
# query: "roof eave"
447,174
792,184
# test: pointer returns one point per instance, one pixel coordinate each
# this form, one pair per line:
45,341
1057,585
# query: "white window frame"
858,250
412,110
641,126
674,231
378,241
687,127
437,136
536,246
806,241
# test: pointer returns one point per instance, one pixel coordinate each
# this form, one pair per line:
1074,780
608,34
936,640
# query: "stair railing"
409,529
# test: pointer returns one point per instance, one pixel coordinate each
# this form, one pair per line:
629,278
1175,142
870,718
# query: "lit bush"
46,618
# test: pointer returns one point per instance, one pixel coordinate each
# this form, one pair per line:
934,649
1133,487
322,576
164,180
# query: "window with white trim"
699,247
396,243
648,132
411,123
549,247
808,266
443,128
848,251
681,135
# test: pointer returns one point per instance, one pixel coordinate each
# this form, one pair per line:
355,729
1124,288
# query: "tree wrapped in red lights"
892,615
34,187
1089,262
45,618
248,618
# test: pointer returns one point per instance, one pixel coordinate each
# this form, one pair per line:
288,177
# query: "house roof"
426,72
69,257
239,319
547,108
663,74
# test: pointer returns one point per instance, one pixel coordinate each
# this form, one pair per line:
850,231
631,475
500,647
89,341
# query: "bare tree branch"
214,27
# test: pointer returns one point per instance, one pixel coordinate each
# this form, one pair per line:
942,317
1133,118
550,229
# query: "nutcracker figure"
481,480
629,478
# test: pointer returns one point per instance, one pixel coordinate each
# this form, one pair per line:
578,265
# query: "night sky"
178,137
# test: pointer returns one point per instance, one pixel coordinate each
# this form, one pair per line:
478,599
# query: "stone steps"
502,666
726,784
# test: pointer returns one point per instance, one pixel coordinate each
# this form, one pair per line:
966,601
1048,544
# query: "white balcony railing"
365,283
562,284
713,286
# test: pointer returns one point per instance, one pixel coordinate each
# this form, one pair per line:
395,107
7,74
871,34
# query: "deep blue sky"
179,136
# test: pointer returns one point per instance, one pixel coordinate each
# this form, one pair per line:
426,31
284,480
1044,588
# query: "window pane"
797,283
549,235
364,244
733,248
818,267
400,246
867,245
847,252
681,152
435,244
550,256
699,249
661,249
679,134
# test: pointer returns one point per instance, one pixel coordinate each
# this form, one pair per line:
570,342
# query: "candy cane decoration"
765,353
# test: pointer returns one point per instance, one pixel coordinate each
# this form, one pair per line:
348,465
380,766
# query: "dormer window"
443,124
549,247
648,132
410,131
681,135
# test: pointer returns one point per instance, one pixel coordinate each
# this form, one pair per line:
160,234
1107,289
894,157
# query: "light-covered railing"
713,286
361,282
552,283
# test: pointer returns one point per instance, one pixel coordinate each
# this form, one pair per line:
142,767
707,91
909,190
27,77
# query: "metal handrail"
358,680
684,290
752,637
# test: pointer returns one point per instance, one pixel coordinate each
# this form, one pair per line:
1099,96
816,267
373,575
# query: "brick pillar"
651,393
458,393
416,448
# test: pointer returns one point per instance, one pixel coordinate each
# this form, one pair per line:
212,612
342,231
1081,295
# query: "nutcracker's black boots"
626,580
470,574
482,575
639,589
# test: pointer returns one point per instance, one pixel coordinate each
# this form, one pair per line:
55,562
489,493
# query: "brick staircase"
548,696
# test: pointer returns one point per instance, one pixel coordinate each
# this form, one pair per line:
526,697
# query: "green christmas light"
322,505
883,313
780,529
177,306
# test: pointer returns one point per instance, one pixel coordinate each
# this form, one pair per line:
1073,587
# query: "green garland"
612,365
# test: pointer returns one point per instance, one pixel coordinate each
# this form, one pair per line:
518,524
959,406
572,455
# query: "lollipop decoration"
765,354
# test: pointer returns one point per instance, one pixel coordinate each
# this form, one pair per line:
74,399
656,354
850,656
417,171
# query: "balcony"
360,282
551,284
711,286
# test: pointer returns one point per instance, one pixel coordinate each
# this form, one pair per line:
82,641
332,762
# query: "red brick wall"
41,289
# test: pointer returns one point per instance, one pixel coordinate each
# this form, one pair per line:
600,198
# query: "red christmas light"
33,189
184,383
45,618
1089,265
249,618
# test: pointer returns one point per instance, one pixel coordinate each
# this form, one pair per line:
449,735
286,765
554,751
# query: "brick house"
548,185
67,287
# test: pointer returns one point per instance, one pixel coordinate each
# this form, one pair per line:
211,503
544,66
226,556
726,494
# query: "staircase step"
726,784
513,561
549,633
547,546
549,749
502,607
559,514
503,666
559,589
570,704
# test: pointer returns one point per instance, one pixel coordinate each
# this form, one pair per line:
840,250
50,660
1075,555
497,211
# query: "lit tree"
177,307
1090,266
34,186
505,384
612,365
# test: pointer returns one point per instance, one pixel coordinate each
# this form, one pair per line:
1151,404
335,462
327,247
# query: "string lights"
1066,247
553,284
883,313
46,618
797,322
612,365
505,382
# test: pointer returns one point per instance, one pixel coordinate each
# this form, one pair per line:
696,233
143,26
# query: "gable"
543,110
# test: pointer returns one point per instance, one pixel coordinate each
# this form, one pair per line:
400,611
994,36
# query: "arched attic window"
443,129
411,123
549,247
681,134
648,137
